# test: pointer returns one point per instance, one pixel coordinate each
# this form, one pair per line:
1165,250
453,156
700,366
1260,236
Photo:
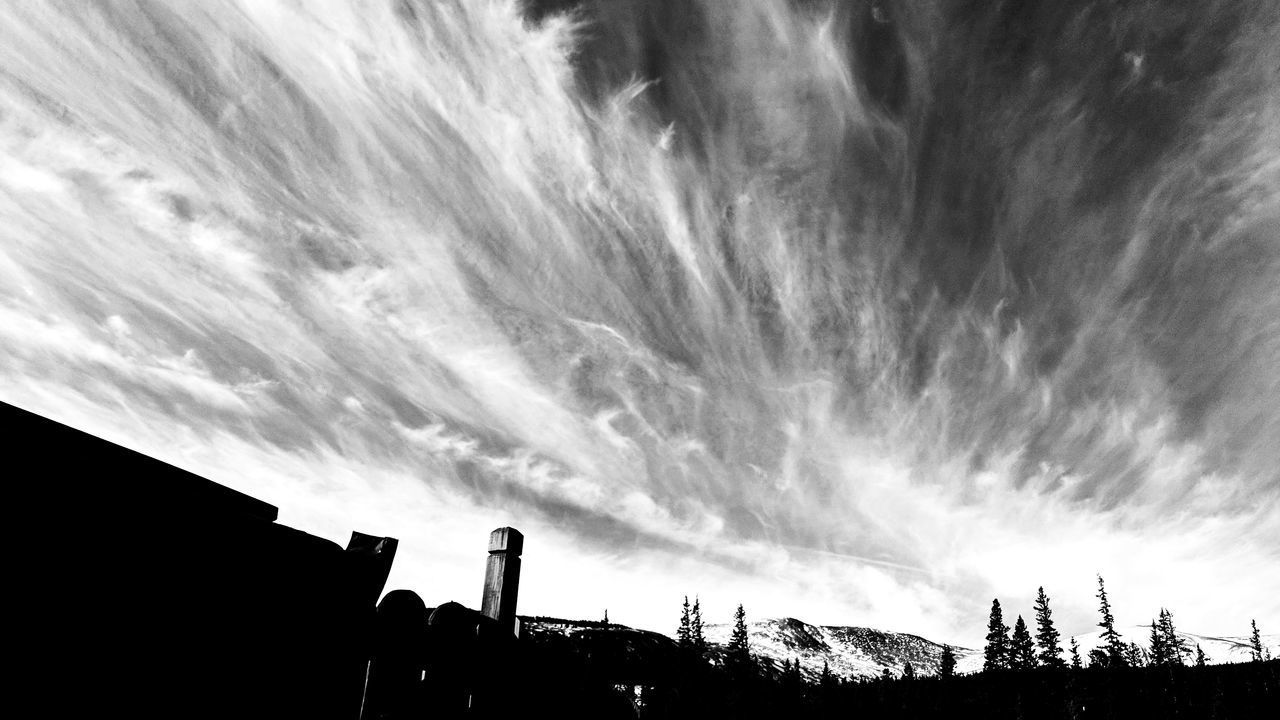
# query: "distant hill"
626,655
1217,650
849,651
856,652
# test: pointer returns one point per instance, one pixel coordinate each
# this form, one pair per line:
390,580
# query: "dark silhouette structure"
162,594
144,591
150,592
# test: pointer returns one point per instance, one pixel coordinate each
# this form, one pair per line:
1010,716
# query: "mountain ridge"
847,650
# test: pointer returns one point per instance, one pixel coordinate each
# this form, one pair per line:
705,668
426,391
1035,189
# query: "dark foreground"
144,591
1246,690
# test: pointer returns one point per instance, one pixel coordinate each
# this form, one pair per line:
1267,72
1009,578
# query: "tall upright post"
392,688
502,577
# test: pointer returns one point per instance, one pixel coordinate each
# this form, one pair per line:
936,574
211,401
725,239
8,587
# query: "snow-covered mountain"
1232,649
865,652
848,651
630,654
855,652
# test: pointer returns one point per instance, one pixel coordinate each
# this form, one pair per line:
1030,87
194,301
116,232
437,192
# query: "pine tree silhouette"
1255,642
1161,653
1049,649
792,680
947,667
996,654
1075,655
1115,649
1022,653
908,671
684,636
695,630
1199,656
1175,647
738,652
1134,656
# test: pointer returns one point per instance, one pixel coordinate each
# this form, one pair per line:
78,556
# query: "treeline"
1024,676
1014,649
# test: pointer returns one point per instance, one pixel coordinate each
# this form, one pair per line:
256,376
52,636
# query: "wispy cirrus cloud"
770,328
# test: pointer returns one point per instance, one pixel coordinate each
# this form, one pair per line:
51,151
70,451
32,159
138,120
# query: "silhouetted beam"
99,471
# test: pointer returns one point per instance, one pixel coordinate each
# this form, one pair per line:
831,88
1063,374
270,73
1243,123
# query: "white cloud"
419,288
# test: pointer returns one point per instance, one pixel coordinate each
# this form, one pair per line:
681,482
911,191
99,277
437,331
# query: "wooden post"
393,688
451,661
502,577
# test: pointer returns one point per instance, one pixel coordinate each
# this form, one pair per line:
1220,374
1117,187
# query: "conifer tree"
908,671
1199,656
606,616
1049,651
1160,651
1255,642
1133,655
1075,655
825,680
684,636
1175,647
738,652
947,667
791,677
1115,648
996,654
1022,652
695,630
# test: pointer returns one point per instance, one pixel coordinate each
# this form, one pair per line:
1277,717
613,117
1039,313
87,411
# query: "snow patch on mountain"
849,652
1217,649
855,652
860,652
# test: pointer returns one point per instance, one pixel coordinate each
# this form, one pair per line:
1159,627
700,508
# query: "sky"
862,313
